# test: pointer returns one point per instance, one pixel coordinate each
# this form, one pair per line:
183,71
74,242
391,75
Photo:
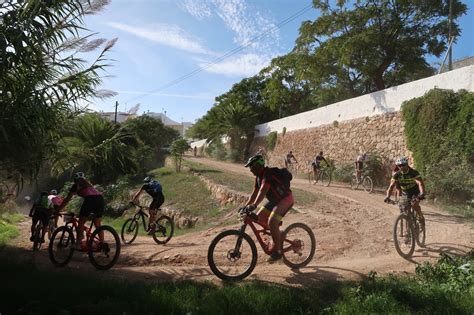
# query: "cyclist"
41,210
359,165
155,190
56,201
269,184
411,184
394,168
93,203
317,165
288,158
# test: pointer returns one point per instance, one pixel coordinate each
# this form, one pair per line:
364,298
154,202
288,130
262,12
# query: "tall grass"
8,230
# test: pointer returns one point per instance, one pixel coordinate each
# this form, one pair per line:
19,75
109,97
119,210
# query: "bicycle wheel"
324,179
420,233
310,177
367,184
404,236
164,229
37,237
232,255
299,245
354,182
129,231
104,253
61,246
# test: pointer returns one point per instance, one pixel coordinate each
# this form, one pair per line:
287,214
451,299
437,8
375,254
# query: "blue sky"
160,41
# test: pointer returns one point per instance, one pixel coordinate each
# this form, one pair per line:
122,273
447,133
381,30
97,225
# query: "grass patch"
436,289
245,183
8,230
466,212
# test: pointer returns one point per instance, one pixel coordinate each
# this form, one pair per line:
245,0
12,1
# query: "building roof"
164,119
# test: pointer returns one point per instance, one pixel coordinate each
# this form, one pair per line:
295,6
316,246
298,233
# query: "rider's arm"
32,210
325,161
262,193
295,159
137,194
66,200
390,188
421,185
252,197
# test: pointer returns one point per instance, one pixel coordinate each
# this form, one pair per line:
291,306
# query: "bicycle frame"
141,214
259,233
74,223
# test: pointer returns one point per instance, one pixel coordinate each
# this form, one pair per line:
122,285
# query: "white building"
180,127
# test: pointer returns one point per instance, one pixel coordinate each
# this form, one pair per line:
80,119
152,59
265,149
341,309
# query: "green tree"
365,46
178,147
98,147
43,77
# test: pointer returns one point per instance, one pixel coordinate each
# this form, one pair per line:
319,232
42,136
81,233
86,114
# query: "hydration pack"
154,187
284,176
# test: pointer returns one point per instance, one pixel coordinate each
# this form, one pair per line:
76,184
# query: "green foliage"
234,155
44,77
447,119
271,140
335,124
376,168
216,149
178,147
343,173
98,147
283,132
8,229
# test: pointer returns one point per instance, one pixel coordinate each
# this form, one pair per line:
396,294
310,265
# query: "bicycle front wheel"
421,233
164,229
299,245
404,236
61,246
103,247
311,177
324,179
367,184
129,231
232,255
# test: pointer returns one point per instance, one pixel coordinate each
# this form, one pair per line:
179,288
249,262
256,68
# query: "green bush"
377,169
343,173
233,155
439,128
271,140
216,150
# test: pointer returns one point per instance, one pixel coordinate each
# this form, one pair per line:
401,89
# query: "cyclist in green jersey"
411,184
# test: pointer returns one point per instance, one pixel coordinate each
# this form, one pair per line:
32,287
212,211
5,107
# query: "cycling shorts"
157,201
270,208
93,204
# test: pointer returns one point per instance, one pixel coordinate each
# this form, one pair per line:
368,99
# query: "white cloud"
243,65
198,9
169,35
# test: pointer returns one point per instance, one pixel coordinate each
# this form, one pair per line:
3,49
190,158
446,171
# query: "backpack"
284,175
155,187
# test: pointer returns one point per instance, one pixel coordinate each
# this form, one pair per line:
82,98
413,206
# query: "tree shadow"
318,274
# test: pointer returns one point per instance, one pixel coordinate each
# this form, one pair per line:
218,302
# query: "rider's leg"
416,206
80,229
275,218
34,221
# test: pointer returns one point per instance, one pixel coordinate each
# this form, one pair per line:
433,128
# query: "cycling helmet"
256,159
401,161
53,192
79,175
147,179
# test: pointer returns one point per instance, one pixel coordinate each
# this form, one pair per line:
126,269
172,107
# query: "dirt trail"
353,232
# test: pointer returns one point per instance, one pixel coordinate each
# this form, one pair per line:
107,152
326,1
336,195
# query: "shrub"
343,173
283,132
233,155
216,149
377,169
271,140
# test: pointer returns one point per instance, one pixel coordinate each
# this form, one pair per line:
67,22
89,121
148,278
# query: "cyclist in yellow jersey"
411,184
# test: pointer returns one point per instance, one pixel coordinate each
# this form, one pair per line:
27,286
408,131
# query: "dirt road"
353,231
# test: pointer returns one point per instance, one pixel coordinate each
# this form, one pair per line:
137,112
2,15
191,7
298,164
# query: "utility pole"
116,105
450,48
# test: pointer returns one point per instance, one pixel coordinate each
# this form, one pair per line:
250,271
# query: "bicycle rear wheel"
104,253
299,245
61,246
129,231
37,237
310,177
367,184
232,255
404,236
354,182
164,229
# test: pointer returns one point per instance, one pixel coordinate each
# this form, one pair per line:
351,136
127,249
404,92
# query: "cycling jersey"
317,160
55,200
153,188
289,157
85,191
278,189
407,181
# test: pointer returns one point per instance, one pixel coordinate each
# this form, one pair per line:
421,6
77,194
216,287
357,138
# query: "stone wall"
340,141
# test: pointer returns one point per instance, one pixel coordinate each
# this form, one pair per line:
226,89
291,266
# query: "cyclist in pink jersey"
93,203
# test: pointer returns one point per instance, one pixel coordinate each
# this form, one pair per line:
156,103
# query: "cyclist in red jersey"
269,184
93,203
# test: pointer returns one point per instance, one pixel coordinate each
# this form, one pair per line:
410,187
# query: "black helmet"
256,159
79,175
147,179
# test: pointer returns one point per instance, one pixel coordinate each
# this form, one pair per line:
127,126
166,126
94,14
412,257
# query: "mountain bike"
164,227
407,229
364,180
323,178
37,236
102,244
232,254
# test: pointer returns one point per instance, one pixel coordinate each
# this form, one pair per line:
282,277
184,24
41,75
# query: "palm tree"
96,146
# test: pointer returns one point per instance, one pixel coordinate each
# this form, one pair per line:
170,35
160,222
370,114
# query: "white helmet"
53,192
79,175
401,161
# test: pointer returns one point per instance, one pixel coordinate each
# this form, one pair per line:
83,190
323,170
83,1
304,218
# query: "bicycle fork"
238,244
